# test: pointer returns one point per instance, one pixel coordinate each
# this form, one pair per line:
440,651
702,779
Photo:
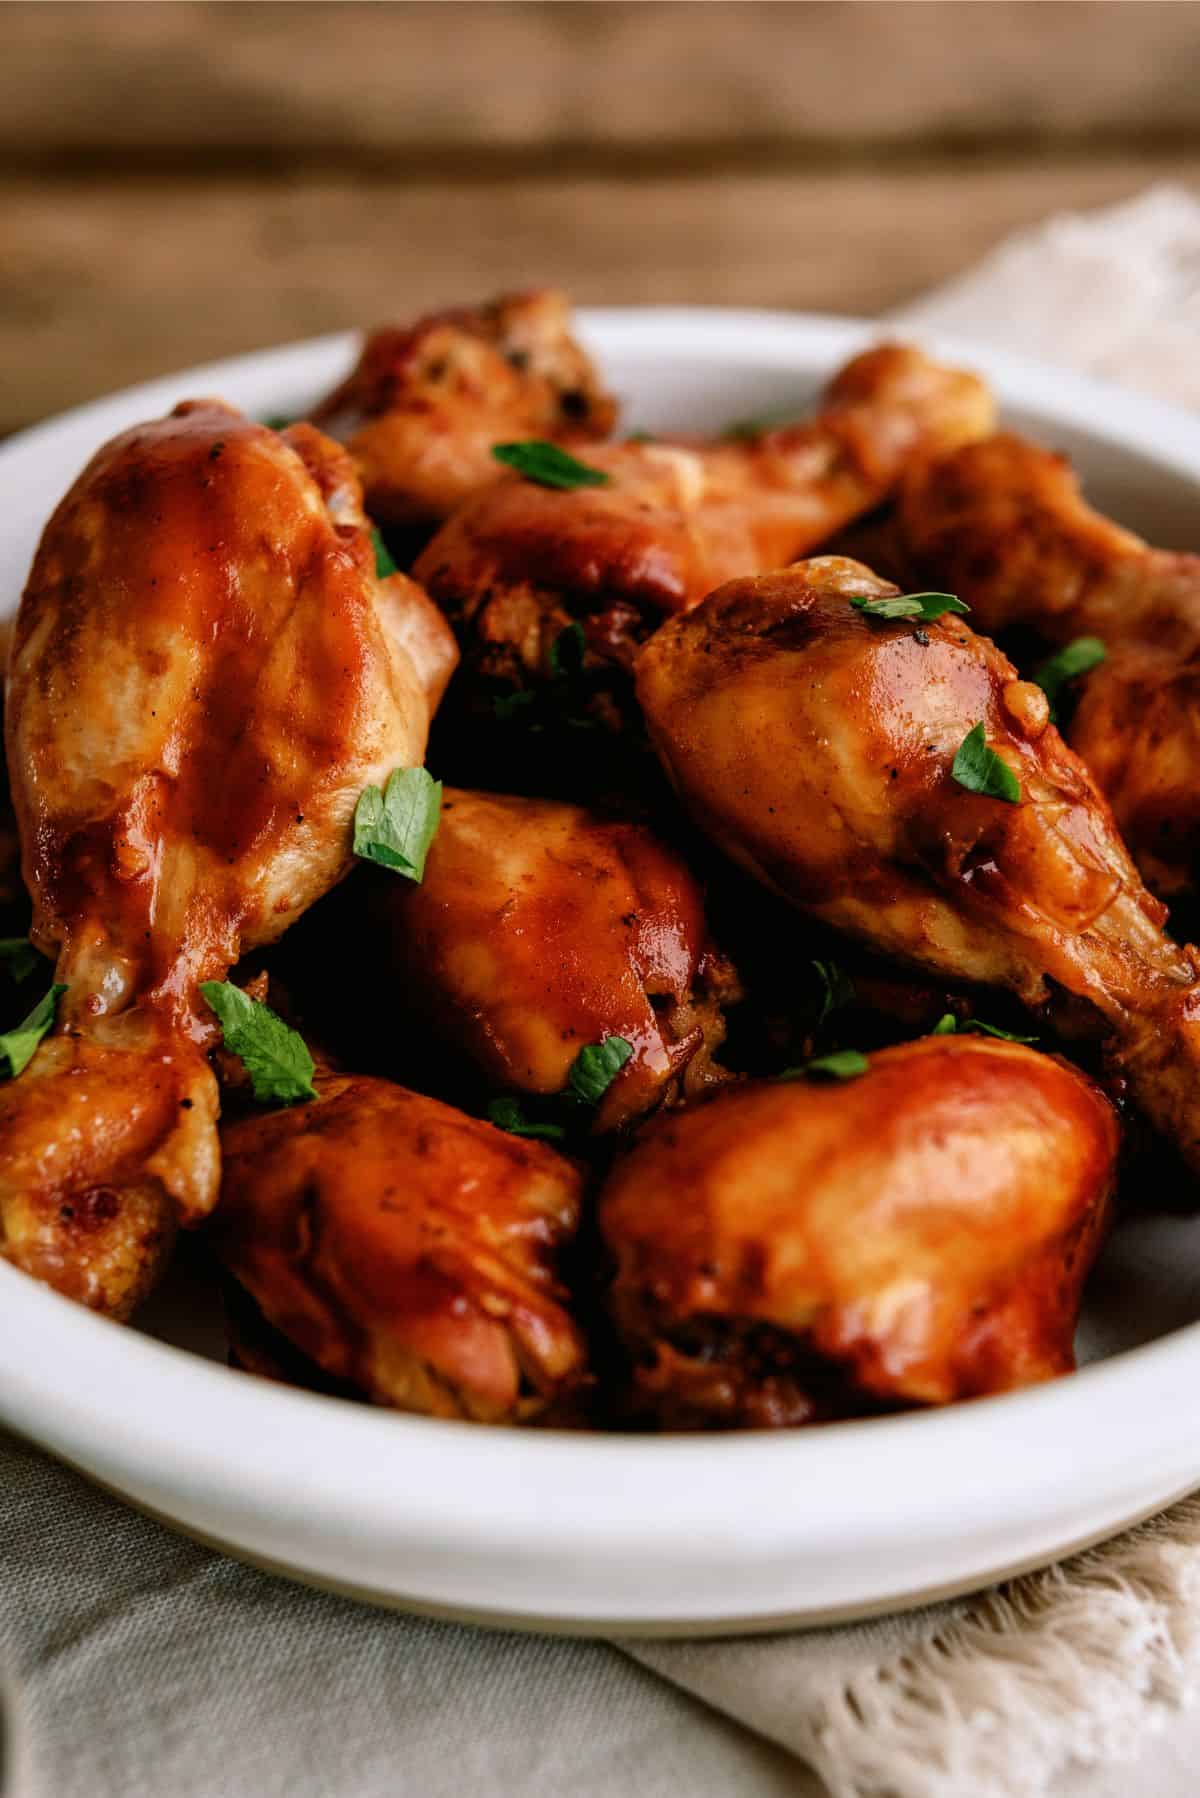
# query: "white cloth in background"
1115,292
139,1665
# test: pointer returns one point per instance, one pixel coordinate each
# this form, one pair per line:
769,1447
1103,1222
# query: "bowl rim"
115,1398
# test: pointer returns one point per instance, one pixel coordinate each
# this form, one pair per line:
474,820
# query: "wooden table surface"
184,181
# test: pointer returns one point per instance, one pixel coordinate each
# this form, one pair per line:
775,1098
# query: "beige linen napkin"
137,1663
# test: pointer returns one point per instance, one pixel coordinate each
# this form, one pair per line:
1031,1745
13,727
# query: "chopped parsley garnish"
560,699
843,1064
396,826
511,705
507,1114
567,651
21,956
925,606
275,1056
384,565
596,1067
980,770
743,430
948,1025
1005,1036
588,1079
1079,657
278,421
18,1044
548,465
837,988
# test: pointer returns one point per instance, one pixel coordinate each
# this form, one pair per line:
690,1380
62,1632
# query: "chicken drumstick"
818,745
1003,524
519,563
205,675
425,403
538,929
915,1236
406,1249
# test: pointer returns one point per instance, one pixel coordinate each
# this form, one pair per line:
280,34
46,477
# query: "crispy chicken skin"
426,402
406,1248
815,745
205,673
518,562
539,928
1004,525
795,1251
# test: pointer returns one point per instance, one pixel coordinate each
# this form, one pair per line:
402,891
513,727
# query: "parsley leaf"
843,1064
384,565
396,826
21,956
506,1114
278,421
548,465
506,706
1005,1036
837,988
1079,657
567,651
588,1079
949,1025
275,1056
743,430
925,606
18,1044
558,700
596,1067
980,770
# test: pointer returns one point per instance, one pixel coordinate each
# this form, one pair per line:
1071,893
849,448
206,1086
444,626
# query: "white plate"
668,1534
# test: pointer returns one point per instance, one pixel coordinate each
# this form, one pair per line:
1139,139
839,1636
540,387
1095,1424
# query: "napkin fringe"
1075,1663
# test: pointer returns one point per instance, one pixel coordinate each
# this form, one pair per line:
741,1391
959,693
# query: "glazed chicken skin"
406,1249
539,928
426,402
205,674
1004,525
11,890
816,745
519,562
918,1235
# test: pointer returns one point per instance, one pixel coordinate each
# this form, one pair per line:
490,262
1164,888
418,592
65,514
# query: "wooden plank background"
180,181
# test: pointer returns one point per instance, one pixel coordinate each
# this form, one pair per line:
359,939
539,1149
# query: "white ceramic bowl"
668,1534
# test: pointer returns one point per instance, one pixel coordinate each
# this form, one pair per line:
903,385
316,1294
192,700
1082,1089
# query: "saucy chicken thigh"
426,402
917,1235
204,676
1004,525
827,751
660,524
538,929
406,1249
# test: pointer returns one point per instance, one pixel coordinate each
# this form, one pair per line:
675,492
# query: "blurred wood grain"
339,80
184,181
